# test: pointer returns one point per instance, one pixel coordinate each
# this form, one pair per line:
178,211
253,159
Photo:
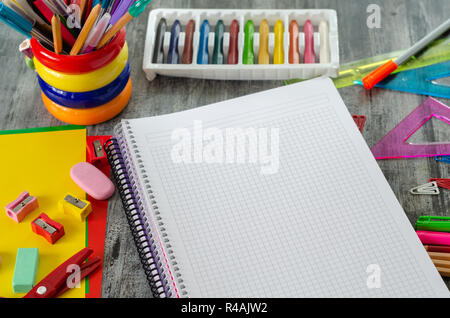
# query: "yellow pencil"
82,8
85,30
57,38
114,29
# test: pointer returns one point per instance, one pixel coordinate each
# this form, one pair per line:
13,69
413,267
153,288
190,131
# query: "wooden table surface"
403,22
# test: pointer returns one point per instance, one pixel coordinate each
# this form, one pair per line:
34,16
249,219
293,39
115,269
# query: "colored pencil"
57,38
114,29
85,30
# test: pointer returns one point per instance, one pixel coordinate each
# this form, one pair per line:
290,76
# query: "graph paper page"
325,224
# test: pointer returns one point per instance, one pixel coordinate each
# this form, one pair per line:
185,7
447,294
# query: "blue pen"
203,57
21,25
105,3
15,21
172,56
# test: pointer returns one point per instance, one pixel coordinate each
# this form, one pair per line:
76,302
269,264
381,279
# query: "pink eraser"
434,238
92,180
21,207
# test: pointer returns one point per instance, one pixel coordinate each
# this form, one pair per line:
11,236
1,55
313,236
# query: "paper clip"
233,54
442,183
158,51
445,159
360,120
249,31
203,55
21,207
278,51
51,230
430,188
188,50
173,56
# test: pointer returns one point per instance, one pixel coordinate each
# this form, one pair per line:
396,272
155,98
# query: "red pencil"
437,248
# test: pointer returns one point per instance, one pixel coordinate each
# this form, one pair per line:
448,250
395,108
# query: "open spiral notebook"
303,212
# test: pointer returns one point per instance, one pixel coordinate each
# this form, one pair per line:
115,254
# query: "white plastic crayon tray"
242,71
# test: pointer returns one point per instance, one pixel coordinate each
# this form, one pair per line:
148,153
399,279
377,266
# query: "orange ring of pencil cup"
82,63
89,116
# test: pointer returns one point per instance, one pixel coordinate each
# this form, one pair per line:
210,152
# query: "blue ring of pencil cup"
89,99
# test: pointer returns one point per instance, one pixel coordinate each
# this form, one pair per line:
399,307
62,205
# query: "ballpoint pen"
136,9
120,10
13,6
22,25
386,69
96,34
85,30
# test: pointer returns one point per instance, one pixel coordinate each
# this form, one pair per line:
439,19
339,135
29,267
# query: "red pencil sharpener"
51,230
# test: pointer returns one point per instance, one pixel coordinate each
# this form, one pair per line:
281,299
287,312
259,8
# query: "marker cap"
379,74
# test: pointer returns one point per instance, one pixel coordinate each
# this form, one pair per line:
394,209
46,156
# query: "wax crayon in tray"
280,24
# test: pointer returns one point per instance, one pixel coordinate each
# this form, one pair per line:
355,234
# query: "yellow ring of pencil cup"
87,81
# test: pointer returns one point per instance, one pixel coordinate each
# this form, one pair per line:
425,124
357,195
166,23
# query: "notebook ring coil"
164,235
132,204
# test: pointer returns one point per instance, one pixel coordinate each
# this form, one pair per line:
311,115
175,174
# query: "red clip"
44,226
95,153
360,120
442,183
55,283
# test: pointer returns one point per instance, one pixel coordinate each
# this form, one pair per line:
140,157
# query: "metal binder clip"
430,188
44,226
75,207
21,207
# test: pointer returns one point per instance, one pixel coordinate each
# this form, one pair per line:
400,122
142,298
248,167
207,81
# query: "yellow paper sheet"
40,162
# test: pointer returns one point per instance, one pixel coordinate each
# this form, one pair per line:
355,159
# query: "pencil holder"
84,89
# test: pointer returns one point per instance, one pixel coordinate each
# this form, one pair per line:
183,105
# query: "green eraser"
27,262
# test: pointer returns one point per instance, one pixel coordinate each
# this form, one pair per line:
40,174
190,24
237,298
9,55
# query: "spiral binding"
132,204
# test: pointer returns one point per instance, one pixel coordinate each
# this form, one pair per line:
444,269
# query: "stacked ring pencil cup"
84,89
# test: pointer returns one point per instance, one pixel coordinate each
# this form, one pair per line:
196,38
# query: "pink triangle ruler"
395,145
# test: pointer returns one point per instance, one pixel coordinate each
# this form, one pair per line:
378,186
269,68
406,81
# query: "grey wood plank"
403,23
